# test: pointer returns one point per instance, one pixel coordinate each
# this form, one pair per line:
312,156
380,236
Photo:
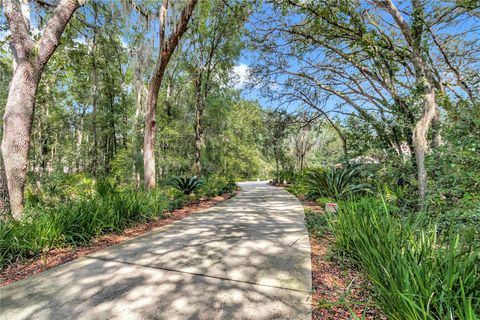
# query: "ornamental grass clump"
77,222
415,275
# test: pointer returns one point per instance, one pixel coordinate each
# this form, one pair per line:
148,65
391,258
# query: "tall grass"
416,276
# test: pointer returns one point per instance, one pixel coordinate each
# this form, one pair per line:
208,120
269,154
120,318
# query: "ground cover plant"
418,270
416,274
77,222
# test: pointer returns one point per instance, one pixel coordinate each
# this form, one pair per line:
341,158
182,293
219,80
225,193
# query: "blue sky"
246,59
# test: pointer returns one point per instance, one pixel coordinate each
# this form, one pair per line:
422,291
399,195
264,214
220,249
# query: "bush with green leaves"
58,188
416,275
187,185
290,176
336,183
454,172
217,185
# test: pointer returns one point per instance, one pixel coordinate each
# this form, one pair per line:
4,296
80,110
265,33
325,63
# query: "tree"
305,138
30,58
214,45
384,73
277,127
414,35
166,49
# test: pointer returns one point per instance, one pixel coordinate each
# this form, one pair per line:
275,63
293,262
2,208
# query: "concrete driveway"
246,258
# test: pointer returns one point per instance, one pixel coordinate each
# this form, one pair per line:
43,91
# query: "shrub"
337,183
415,275
217,185
289,176
187,185
58,188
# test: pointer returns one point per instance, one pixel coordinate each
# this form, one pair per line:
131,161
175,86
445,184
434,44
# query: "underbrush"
316,223
77,221
416,274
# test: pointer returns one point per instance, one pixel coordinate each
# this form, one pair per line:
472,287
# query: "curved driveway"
246,258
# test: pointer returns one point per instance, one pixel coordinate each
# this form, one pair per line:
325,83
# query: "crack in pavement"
198,274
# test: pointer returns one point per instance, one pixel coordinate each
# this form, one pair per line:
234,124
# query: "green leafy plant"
335,183
187,185
415,274
77,221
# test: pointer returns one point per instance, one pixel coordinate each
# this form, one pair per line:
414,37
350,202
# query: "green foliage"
217,185
416,276
76,221
454,184
187,185
233,145
290,176
58,188
277,128
329,150
297,189
316,223
337,183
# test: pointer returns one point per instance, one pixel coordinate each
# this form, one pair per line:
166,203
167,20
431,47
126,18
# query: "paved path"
246,258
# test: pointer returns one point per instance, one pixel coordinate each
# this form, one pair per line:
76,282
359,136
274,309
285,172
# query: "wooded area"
371,104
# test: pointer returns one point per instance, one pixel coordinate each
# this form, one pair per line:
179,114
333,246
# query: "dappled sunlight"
247,258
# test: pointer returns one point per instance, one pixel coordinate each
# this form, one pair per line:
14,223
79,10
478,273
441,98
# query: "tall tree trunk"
420,139
30,59
17,127
94,151
166,50
424,82
199,108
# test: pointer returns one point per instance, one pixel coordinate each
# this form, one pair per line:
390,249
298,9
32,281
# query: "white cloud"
240,76
80,40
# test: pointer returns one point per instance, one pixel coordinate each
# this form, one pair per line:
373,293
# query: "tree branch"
54,29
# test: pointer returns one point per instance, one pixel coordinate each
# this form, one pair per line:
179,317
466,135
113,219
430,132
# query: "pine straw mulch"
54,257
335,280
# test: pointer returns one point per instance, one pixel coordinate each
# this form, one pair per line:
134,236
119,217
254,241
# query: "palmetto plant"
335,183
187,184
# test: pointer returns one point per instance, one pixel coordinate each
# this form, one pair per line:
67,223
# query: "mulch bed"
334,280
54,257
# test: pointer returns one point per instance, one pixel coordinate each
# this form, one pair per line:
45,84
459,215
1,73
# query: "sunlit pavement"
246,258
